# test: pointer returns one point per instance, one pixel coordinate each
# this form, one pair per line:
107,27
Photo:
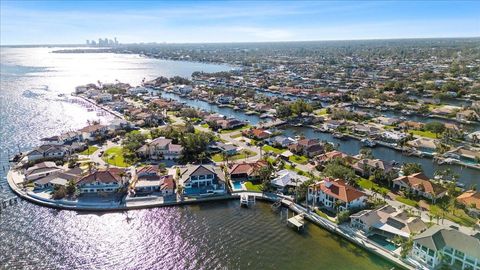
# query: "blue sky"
72,22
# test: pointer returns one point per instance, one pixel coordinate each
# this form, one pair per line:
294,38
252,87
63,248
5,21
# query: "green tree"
435,127
411,168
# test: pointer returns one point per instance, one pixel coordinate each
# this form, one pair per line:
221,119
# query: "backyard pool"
237,186
382,241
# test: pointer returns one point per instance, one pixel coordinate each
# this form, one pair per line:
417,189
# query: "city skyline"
29,23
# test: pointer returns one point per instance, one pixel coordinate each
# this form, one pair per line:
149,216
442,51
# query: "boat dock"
297,221
246,200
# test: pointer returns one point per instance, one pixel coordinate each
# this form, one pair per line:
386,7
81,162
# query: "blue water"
383,242
237,185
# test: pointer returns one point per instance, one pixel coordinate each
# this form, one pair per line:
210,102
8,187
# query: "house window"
201,177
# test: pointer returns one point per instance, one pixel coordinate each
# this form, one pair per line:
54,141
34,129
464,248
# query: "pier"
246,200
297,221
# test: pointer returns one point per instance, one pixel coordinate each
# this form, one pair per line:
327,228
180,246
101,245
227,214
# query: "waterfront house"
438,245
473,137
64,138
47,151
230,123
467,115
137,90
366,129
406,125
386,121
93,132
420,185
387,221
470,198
160,148
257,133
246,171
423,144
464,153
103,97
307,147
104,180
332,125
58,178
280,141
391,136
202,180
366,167
328,191
327,157
149,179
286,179
41,170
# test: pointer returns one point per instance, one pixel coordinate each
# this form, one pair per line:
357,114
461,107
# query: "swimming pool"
381,240
237,186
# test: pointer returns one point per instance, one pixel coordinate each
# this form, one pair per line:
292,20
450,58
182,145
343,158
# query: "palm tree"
337,204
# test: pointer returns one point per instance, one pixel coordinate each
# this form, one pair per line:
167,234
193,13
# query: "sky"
73,22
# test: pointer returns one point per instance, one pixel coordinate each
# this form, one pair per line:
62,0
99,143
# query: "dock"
297,221
246,200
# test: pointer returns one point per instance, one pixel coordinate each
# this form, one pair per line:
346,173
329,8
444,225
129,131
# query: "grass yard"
427,134
298,159
90,150
223,131
114,156
297,170
268,148
368,184
253,187
243,154
234,136
407,201
459,216
321,112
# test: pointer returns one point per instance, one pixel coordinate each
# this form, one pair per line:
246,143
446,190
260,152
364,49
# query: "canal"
467,176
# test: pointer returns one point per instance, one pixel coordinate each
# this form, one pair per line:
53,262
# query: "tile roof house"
105,180
324,158
160,148
202,179
438,245
257,133
424,144
48,151
421,185
470,198
41,170
246,171
307,147
58,178
328,191
387,221
366,167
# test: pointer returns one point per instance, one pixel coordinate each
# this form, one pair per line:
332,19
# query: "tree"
194,144
264,174
406,247
343,216
71,188
411,168
338,169
435,127
366,153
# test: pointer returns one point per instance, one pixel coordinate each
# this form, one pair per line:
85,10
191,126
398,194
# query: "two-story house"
105,180
160,148
420,185
438,245
327,192
202,180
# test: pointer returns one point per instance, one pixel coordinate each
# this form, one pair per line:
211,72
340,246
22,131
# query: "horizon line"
239,42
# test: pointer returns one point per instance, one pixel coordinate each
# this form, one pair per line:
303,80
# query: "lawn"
253,187
89,150
235,129
321,112
427,134
114,156
268,148
298,159
243,154
205,125
297,170
368,184
234,136
458,216
407,201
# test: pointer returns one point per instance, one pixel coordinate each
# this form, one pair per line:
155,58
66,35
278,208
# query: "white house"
109,180
202,179
287,178
438,245
161,148
137,90
328,191
41,170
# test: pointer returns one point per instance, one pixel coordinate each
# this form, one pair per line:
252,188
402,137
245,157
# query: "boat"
369,142
338,135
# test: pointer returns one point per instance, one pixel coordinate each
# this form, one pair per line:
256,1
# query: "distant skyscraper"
88,42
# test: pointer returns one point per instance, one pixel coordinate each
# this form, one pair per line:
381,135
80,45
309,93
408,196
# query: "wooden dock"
246,200
297,221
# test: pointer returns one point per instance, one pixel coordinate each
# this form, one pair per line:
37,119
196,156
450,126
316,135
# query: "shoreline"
345,233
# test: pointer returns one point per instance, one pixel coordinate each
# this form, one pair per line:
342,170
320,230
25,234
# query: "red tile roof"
339,189
421,182
103,176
